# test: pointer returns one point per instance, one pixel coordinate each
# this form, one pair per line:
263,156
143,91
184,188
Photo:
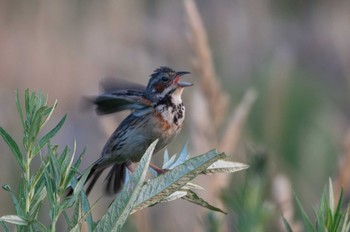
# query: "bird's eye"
165,79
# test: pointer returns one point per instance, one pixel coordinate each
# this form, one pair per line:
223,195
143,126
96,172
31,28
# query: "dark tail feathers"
115,179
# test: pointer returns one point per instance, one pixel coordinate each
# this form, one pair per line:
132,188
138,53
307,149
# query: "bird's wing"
120,95
112,84
120,100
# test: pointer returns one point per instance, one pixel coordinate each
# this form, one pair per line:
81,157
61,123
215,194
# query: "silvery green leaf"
169,163
166,156
194,198
152,171
174,196
14,219
190,185
223,166
121,207
182,156
164,185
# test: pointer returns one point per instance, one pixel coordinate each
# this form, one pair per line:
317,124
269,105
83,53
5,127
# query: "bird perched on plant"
157,113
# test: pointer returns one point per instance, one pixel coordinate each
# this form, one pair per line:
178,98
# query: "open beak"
183,83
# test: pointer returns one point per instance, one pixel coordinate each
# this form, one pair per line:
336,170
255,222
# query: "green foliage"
54,175
57,171
328,217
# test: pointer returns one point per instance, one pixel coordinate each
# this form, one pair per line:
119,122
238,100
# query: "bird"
157,112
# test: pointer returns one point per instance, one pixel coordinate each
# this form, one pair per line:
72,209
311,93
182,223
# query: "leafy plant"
54,175
330,216
57,173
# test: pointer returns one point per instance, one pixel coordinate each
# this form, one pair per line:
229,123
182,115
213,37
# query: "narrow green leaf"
6,229
87,211
38,199
39,226
162,186
13,147
19,109
44,140
307,223
331,197
338,214
15,202
76,215
49,112
80,185
194,198
26,103
54,167
121,207
14,219
66,167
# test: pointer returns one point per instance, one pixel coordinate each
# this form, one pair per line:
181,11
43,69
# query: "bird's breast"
170,117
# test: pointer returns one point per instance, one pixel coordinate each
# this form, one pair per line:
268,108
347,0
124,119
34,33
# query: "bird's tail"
115,178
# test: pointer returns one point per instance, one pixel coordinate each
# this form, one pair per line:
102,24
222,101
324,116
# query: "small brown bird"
157,113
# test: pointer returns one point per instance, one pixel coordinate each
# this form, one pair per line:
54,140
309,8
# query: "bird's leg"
157,169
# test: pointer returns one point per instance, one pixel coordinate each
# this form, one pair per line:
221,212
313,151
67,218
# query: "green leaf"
39,226
223,166
162,186
44,140
121,207
15,202
13,147
4,226
194,198
19,109
87,211
307,223
14,219
174,196
49,112
331,197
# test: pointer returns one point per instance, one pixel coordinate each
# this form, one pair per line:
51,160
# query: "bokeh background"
294,56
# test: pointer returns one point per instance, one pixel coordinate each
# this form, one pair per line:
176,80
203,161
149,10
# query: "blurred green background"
296,54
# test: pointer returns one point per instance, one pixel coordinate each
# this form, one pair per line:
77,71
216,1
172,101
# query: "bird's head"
165,81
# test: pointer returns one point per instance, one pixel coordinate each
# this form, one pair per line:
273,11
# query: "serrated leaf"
14,219
223,166
13,147
121,207
164,185
194,198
